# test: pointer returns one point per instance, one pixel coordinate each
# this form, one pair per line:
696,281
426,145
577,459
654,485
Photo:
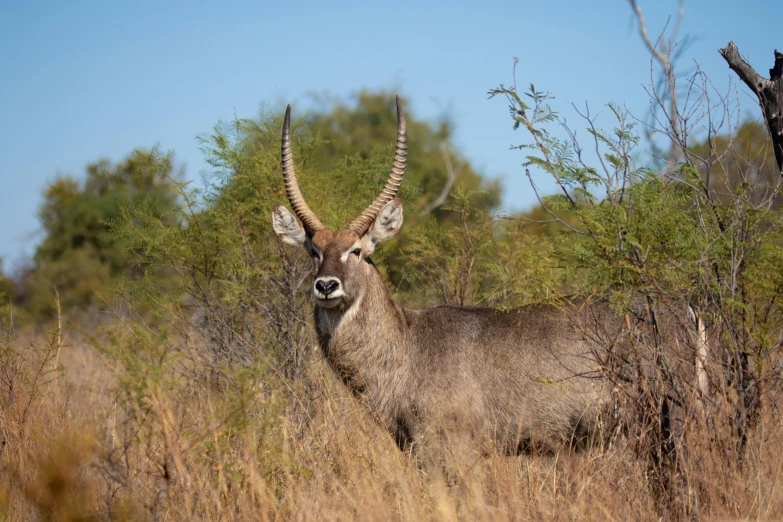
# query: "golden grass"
74,447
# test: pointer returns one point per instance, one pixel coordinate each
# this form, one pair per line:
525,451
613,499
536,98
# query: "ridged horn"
308,218
362,223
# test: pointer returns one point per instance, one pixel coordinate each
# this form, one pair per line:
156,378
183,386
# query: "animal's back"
524,376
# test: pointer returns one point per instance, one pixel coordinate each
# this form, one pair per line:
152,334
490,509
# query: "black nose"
327,287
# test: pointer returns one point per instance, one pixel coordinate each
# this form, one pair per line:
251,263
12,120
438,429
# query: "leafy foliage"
78,253
687,252
369,129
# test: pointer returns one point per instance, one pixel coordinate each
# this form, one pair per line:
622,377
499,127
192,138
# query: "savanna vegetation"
158,362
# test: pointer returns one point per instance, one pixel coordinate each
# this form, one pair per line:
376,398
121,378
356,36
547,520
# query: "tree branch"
662,51
451,174
746,73
662,57
769,92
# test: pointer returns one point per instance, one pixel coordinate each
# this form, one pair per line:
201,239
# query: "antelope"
520,380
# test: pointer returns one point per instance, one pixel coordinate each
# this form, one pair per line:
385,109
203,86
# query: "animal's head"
341,265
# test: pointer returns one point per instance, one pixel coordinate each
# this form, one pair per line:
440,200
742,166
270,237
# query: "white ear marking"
287,227
385,226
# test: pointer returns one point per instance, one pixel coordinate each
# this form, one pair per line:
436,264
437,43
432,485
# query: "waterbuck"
521,379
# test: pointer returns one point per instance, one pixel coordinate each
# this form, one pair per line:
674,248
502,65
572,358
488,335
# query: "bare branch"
551,212
678,23
769,93
746,73
661,51
451,176
662,57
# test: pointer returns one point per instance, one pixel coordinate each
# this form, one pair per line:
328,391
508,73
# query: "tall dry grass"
87,440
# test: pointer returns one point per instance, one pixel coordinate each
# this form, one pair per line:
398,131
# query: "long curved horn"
311,223
362,223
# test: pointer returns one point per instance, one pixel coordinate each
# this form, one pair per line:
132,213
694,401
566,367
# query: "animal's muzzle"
327,288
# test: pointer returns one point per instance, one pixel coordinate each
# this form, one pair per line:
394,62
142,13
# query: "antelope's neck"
365,345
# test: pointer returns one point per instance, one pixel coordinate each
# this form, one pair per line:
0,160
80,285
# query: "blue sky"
85,80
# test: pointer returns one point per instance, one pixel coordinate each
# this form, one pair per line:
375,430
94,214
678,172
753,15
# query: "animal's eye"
357,252
314,254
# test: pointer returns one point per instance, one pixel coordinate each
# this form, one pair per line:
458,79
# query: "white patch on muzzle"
333,298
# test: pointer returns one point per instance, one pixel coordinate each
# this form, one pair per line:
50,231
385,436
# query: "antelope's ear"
287,227
385,226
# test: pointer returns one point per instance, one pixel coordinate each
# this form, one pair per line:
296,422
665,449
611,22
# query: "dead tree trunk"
769,93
